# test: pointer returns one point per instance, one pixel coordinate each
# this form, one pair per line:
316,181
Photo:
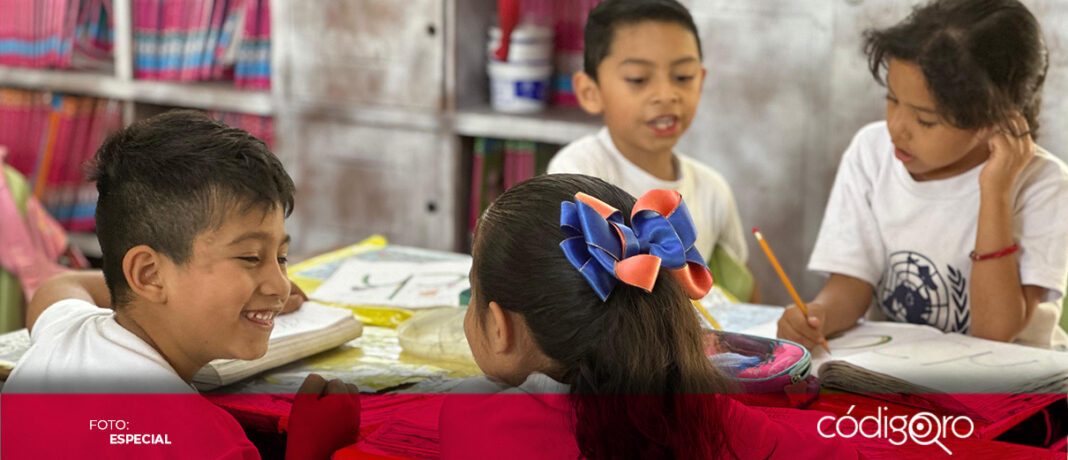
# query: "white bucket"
525,34
528,44
518,88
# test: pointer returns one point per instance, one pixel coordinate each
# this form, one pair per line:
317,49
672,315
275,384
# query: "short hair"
164,180
610,15
982,59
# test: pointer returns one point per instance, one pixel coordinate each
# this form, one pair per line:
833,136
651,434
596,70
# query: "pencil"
785,280
701,309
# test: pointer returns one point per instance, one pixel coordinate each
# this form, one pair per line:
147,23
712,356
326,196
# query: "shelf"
80,82
557,125
208,96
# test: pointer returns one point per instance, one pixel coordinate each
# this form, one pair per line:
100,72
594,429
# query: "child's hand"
296,299
1009,153
325,417
805,330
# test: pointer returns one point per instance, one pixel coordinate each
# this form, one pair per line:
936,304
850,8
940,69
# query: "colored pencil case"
770,372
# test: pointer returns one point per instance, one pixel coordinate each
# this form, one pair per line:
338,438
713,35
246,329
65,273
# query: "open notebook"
309,330
879,357
997,384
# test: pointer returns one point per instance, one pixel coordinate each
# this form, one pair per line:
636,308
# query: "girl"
585,362
947,213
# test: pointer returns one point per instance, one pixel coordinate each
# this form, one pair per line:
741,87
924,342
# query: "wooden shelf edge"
555,126
207,96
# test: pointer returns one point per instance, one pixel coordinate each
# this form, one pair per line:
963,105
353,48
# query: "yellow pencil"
706,314
785,280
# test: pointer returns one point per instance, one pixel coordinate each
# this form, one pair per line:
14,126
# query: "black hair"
165,179
982,59
633,362
609,15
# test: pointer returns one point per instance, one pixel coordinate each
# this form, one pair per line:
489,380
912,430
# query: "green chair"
1064,314
731,275
11,298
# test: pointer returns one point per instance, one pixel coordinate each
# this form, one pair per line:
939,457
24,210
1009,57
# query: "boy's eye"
282,260
250,259
635,81
926,124
684,78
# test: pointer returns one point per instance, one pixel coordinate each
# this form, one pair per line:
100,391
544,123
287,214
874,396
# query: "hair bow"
605,250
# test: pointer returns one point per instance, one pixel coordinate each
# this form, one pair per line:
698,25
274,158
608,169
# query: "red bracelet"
995,254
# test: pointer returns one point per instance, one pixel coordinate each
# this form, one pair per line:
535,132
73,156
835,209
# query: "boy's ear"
141,267
587,92
500,329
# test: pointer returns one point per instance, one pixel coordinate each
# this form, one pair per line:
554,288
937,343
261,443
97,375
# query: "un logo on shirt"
913,291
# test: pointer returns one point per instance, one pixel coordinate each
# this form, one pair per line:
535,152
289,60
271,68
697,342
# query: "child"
643,73
548,315
947,214
190,218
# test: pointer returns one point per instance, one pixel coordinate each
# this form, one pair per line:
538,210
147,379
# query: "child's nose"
895,123
275,282
666,93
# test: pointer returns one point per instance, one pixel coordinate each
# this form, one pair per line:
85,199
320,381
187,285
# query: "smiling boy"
190,218
643,74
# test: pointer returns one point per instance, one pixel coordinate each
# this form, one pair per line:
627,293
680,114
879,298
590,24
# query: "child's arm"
1000,305
324,418
838,306
85,285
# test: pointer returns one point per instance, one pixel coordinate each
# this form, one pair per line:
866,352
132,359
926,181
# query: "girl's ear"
141,266
587,92
500,329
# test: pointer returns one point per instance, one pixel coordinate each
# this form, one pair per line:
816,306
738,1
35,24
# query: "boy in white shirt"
643,73
190,218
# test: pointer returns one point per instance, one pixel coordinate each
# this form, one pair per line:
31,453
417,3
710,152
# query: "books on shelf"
201,40
499,164
57,34
259,126
50,136
311,329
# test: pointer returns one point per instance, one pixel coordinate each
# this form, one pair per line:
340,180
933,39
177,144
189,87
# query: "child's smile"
222,301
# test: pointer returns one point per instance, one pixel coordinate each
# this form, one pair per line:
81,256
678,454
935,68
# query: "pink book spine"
218,13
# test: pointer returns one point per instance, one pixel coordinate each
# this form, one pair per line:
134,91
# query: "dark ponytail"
635,362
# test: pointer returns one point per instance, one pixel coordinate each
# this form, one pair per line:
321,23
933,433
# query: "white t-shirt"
911,240
77,347
707,194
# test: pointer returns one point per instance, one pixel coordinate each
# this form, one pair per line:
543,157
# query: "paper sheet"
396,284
311,316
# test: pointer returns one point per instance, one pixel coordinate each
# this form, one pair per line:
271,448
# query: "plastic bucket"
529,45
518,88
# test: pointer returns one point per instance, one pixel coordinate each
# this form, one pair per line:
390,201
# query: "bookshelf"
376,134
206,96
557,125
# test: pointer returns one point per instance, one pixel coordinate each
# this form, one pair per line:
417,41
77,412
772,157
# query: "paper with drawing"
396,284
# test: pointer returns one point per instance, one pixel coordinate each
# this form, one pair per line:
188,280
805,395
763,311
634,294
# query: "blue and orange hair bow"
661,235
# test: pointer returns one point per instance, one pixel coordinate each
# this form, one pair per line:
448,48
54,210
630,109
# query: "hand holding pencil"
810,321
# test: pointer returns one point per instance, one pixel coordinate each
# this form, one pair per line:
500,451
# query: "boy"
190,218
643,73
